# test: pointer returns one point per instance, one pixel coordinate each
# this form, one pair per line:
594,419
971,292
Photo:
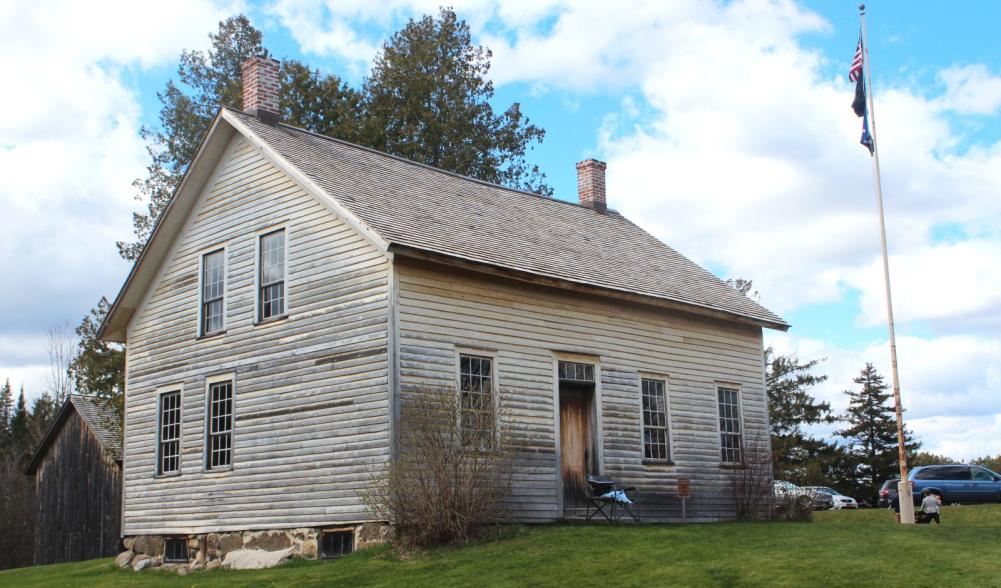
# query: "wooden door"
575,444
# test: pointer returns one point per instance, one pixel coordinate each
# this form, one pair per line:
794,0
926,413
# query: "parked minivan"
956,483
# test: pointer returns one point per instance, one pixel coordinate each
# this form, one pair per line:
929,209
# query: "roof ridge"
419,164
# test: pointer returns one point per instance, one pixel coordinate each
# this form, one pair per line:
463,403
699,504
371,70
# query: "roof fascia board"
535,278
115,324
309,185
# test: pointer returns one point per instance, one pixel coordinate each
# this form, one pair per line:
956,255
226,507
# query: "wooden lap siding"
311,402
78,489
440,310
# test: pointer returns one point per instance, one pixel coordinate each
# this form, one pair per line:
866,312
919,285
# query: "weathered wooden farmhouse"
297,283
78,484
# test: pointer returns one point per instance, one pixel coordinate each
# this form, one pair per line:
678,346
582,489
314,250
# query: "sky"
726,126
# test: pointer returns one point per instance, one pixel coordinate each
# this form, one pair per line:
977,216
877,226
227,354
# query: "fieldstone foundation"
241,550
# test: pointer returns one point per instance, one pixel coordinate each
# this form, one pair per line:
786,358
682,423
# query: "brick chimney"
260,89
591,184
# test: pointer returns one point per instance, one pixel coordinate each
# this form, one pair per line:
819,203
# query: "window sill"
658,462
732,466
217,471
271,319
176,474
210,335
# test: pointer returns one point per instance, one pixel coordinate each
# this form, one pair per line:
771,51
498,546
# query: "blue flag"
866,137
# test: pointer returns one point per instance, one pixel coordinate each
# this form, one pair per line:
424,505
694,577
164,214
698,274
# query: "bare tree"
61,346
452,473
749,484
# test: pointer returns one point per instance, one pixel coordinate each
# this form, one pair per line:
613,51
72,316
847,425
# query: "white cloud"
70,153
971,89
948,385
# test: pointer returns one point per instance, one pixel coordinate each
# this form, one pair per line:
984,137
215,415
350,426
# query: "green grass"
857,549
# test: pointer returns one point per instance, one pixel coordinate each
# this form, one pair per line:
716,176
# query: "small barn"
78,484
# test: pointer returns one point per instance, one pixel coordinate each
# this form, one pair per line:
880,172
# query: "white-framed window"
168,433
213,292
477,412
271,262
656,443
219,423
730,426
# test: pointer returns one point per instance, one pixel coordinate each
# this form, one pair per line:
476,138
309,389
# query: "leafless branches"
452,472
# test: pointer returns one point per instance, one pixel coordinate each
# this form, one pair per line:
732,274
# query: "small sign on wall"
684,489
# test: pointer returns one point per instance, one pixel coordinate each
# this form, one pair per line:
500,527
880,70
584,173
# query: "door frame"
596,416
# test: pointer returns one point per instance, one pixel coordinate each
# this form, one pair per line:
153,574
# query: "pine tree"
790,408
872,432
43,409
6,412
20,424
428,99
99,367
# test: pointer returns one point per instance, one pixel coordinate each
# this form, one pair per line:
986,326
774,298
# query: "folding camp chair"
605,497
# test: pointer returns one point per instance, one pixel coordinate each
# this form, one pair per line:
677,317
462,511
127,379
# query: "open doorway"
578,456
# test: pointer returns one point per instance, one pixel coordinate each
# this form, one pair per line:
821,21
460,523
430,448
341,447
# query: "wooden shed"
78,484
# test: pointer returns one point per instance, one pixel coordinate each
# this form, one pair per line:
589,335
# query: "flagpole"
904,487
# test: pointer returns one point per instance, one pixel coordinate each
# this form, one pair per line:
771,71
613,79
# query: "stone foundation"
242,550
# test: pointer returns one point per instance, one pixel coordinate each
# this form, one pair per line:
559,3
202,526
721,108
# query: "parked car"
818,500
840,501
887,493
956,483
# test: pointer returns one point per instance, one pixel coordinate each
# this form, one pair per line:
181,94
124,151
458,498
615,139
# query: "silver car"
839,500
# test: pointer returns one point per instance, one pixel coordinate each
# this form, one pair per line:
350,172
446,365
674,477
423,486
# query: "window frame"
321,552
222,248
158,449
494,392
258,306
736,388
668,429
207,424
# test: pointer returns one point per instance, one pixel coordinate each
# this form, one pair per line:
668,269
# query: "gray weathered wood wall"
78,497
528,328
311,393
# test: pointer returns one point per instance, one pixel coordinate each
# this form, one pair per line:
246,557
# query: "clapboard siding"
311,391
442,310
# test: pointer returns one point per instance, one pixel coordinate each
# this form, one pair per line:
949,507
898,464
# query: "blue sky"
727,128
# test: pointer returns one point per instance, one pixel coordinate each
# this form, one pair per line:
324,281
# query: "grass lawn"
854,549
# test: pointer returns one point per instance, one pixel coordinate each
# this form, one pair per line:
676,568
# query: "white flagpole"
904,487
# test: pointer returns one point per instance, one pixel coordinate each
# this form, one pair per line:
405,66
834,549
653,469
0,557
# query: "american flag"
855,71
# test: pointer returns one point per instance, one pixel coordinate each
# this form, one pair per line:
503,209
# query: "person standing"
929,508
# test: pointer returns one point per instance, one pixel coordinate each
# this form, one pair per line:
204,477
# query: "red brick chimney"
260,88
591,184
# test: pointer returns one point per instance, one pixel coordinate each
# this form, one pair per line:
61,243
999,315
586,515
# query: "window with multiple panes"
730,428
476,401
570,371
271,280
655,443
336,543
213,289
175,550
219,428
169,434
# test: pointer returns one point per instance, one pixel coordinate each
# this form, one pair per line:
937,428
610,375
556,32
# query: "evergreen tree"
43,409
99,367
6,412
872,432
20,424
428,100
790,408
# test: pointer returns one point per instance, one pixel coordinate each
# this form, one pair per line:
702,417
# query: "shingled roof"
98,416
427,209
